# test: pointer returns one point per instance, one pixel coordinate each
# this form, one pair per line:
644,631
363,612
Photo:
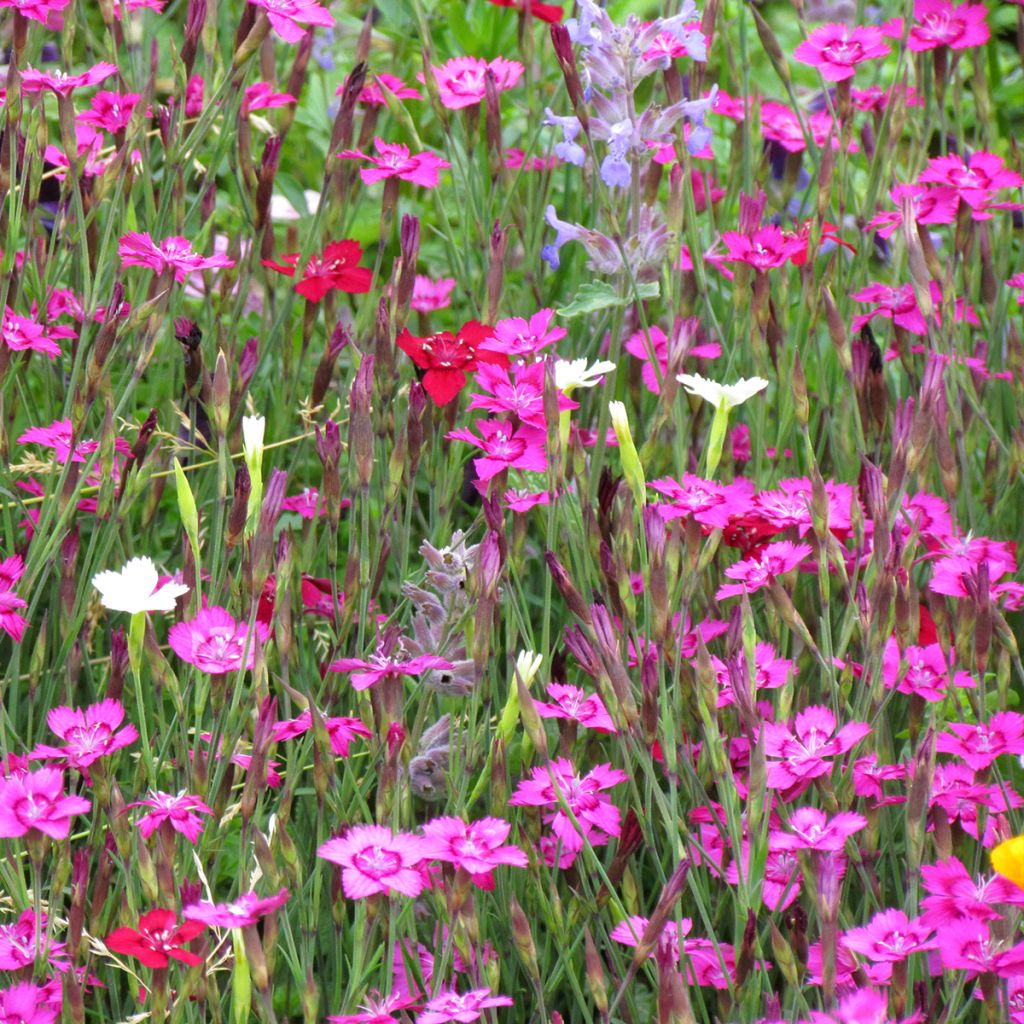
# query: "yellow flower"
1008,860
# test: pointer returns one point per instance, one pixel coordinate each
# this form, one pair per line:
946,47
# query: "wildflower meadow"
509,511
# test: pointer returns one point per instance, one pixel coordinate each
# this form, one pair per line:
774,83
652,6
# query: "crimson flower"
447,357
158,939
335,269
551,13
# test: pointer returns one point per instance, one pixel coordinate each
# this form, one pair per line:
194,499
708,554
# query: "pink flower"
955,792
394,161
374,92
890,936
978,746
974,182
519,393
374,860
341,731
24,1002
504,447
261,96
158,939
781,881
770,672
704,958
710,503
35,802
308,504
44,11
20,334
781,125
288,17
450,1006
927,672
377,1009
756,572
383,666
575,705
630,932
926,206
61,83
516,337
636,345
941,23
429,295
137,249
970,947
790,505
956,897
799,754
88,735
110,111
181,811
836,50
810,829
215,643
241,913
766,248
868,776
18,942
11,621
475,847
460,82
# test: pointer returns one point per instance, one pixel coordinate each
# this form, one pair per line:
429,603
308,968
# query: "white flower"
252,437
282,208
134,589
620,421
574,373
527,666
722,396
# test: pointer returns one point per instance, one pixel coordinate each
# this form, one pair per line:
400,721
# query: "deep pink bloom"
799,754
704,959
44,11
942,23
341,731
377,1009
955,896
110,111
710,503
770,672
781,125
1017,283
35,801
180,810
289,18
756,572
20,334
516,337
158,939
465,1008
240,913
336,269
925,205
781,881
18,942
374,95
862,1006
575,705
429,295
519,393
890,936
383,666
375,860
475,846
551,13
61,83
137,249
868,776
261,96
978,746
766,248
12,622
58,437
88,735
630,931
394,161
308,504
215,643
810,829
789,505
971,947
927,675
460,82
504,447
24,1002
836,50
636,345
974,182
955,791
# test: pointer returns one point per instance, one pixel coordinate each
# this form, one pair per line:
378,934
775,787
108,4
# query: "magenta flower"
770,672
519,393
972,948
375,860
450,1006
18,942
889,937
759,570
20,334
836,50
240,913
373,93
570,703
63,84
517,337
110,111
394,161
42,11
942,23
181,811
869,775
710,503
341,731
790,506
974,182
504,447
955,791
137,249
288,18
377,1009
660,347
927,206
799,754
927,674
429,295
261,96
781,881
24,1002
474,846
704,958
978,746
88,735
12,622
309,504
460,82
810,829
58,437
35,802
215,643
781,125
766,248
382,666
956,897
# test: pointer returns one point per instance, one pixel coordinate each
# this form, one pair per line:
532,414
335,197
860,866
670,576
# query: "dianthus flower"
341,731
810,829
61,83
974,181
35,802
158,939
373,94
868,776
928,672
447,358
374,860
636,345
475,846
796,755
504,447
551,13
336,269
25,1002
181,811
767,247
393,160
36,10
755,573
955,896
770,672
942,23
979,745
20,334
429,295
58,437
377,1009
110,111
519,392
781,881
460,82
290,18
261,96
19,940
449,1005
704,959
836,50
88,734
366,673
12,622
240,913
972,948
889,937
517,336
572,704
707,502
137,249
215,643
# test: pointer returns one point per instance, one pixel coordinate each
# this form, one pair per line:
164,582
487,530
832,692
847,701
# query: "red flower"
551,13
448,357
159,937
336,268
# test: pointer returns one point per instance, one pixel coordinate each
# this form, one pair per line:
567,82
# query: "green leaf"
600,295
